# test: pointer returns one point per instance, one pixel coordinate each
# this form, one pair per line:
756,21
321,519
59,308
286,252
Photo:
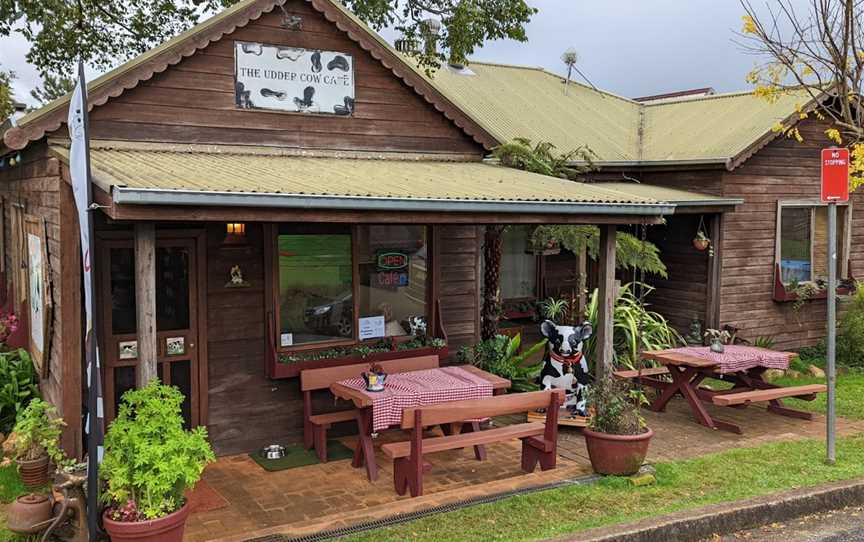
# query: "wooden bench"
807,393
539,440
647,371
315,426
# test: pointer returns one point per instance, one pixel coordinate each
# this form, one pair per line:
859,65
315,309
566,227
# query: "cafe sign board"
292,79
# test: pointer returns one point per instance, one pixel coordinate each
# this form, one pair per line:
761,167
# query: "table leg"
686,380
364,452
679,375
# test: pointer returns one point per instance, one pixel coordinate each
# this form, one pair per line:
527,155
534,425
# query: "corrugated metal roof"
514,101
519,101
274,173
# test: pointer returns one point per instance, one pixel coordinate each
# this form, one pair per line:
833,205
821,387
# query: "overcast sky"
630,47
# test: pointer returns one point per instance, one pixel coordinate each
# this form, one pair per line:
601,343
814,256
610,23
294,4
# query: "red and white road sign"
835,175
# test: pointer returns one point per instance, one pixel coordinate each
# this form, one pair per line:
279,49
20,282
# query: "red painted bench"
315,426
539,440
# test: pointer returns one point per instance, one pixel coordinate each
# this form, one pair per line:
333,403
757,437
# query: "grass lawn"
726,476
10,488
850,395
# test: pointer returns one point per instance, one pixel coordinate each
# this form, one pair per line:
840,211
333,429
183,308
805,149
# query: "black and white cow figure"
564,365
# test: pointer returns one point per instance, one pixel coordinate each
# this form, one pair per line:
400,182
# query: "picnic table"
379,410
742,366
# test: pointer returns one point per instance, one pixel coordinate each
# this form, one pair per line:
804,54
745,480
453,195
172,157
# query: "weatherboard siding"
783,170
193,101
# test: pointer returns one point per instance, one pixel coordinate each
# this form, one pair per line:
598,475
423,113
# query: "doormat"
298,456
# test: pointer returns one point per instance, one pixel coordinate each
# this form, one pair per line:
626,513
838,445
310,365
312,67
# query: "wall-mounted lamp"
235,233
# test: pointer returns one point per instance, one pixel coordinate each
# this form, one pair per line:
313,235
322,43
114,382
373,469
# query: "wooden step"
744,397
334,417
648,371
463,440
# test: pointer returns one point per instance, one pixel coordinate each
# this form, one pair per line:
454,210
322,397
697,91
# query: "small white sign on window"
287,339
371,327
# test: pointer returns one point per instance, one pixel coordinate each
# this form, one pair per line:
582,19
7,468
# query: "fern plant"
150,460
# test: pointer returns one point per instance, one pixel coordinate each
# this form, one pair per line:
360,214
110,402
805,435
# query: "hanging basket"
701,244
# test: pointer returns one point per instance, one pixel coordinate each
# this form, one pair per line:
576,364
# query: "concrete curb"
701,523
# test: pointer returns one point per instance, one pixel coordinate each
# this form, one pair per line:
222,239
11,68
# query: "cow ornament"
564,365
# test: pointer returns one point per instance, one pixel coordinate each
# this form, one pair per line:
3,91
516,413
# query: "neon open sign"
391,261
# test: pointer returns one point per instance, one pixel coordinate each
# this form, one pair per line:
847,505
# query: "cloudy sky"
630,47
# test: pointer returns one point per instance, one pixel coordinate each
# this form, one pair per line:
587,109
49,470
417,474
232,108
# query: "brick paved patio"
309,499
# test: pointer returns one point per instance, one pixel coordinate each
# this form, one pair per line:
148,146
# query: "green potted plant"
35,443
150,461
617,436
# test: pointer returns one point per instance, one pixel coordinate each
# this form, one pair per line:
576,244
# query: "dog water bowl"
274,451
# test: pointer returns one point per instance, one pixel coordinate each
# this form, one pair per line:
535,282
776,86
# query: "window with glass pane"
394,277
518,269
795,238
123,315
316,302
804,243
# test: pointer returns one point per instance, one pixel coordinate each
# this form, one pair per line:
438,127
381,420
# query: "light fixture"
235,233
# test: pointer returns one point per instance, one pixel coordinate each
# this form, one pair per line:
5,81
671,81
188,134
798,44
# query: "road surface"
845,525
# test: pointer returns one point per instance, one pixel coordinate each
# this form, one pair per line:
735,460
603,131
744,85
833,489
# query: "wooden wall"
783,170
37,185
682,296
458,253
193,101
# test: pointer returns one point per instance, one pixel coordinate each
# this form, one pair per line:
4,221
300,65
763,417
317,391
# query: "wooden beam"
712,309
145,301
606,301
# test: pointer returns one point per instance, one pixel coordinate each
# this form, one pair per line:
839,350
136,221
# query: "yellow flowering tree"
817,55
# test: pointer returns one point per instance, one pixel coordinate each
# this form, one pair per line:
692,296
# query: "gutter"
157,196
720,162
710,202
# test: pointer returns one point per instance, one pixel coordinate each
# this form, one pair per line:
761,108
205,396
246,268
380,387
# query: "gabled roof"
519,101
36,124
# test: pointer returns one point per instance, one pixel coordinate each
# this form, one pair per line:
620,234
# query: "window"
803,242
329,277
316,299
518,269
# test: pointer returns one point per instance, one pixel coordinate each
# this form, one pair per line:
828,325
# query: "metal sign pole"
832,331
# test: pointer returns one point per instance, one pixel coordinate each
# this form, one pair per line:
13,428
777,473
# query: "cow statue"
564,365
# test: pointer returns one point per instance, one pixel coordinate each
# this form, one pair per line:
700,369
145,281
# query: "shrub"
18,383
500,356
36,434
616,405
150,460
850,340
635,327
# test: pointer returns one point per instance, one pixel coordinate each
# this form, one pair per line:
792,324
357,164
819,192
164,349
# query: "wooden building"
278,188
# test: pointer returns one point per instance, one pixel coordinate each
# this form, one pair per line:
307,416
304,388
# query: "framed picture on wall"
39,292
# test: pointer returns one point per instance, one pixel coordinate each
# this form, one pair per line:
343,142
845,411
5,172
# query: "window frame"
813,205
273,300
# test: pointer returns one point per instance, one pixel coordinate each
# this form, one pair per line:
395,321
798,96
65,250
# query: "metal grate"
412,516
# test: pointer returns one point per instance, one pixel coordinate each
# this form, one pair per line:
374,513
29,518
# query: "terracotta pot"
167,529
34,472
29,514
701,244
617,455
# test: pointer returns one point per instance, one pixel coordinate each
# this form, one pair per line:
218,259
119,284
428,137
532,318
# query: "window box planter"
277,369
782,294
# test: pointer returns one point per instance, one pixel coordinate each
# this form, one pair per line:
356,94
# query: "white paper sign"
287,339
292,79
371,327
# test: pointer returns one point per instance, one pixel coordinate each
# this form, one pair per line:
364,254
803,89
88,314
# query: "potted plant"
149,462
718,339
35,443
617,436
701,241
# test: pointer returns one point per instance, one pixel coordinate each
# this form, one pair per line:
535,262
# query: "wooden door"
179,352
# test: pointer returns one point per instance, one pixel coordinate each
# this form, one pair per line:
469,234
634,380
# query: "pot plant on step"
617,436
34,443
150,460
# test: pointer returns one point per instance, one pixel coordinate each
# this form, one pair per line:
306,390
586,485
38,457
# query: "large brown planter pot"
167,529
34,472
617,455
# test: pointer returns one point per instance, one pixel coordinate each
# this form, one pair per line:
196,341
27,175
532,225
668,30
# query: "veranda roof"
264,177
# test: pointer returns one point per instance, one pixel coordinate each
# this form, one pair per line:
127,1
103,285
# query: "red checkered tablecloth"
420,388
737,358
